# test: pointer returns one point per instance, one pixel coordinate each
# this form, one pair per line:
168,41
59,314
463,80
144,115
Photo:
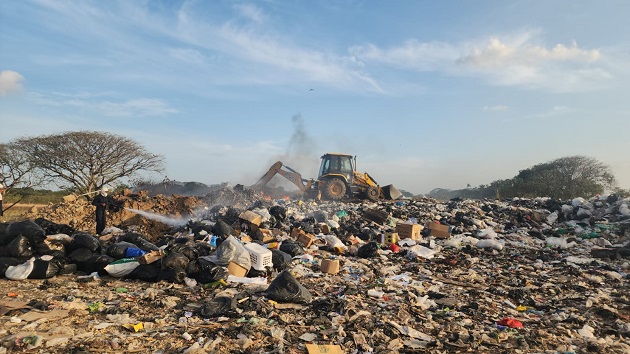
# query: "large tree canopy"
563,178
88,160
566,177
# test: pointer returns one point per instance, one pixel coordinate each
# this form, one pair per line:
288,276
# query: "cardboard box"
236,270
306,240
295,232
324,228
438,230
268,236
251,217
150,257
330,266
411,231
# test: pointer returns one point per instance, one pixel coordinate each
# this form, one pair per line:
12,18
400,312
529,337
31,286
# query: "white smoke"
161,218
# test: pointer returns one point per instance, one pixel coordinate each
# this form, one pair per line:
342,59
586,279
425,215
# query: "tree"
88,160
17,170
564,178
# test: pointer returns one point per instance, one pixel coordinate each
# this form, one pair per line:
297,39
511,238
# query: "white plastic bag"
20,272
122,267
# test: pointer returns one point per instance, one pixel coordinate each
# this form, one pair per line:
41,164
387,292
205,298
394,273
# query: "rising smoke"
301,154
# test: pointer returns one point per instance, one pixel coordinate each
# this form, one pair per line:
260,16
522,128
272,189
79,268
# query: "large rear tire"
334,189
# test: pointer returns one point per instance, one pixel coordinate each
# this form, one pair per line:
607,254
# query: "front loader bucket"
390,192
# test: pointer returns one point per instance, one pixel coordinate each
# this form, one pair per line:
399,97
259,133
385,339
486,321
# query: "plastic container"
260,256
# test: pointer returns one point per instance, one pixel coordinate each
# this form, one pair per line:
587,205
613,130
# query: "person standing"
102,202
1,193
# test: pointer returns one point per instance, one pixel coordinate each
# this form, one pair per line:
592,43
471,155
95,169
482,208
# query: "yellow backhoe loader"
338,178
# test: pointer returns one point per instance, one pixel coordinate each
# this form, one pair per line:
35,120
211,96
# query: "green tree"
87,160
564,178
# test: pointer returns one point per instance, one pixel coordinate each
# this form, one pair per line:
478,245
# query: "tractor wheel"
372,193
334,189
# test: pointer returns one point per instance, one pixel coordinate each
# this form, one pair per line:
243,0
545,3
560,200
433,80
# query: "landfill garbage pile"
287,276
79,214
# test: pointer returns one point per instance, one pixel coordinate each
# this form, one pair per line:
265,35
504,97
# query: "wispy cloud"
251,12
497,108
141,107
10,82
508,61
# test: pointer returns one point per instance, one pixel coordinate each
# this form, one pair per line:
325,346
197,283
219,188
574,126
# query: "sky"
426,94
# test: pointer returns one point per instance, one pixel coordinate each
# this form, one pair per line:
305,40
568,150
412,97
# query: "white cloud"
136,108
10,82
509,61
141,107
251,12
495,108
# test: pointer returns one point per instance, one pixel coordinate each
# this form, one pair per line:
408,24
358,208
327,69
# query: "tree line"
563,178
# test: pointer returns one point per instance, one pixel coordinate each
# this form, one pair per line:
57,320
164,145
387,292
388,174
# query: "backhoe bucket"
390,192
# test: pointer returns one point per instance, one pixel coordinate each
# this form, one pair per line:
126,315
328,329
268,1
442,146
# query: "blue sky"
426,93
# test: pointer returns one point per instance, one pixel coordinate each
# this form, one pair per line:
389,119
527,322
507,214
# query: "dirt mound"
137,211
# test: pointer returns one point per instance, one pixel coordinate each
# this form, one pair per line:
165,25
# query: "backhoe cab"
337,179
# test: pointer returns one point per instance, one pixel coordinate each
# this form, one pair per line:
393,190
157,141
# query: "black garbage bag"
146,272
139,241
222,229
292,248
51,228
19,247
33,232
118,250
188,251
84,240
279,212
219,306
320,216
306,226
369,250
203,249
175,260
367,235
280,260
6,262
45,269
173,275
79,255
207,272
257,235
95,263
53,248
285,288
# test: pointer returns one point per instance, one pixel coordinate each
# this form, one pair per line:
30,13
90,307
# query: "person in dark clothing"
102,202
1,192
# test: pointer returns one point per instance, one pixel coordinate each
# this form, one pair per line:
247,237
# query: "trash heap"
291,276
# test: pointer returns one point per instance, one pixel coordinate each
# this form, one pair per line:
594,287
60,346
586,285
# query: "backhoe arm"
286,172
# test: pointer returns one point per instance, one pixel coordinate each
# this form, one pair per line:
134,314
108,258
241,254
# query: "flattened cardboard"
150,257
330,266
411,231
251,217
323,349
